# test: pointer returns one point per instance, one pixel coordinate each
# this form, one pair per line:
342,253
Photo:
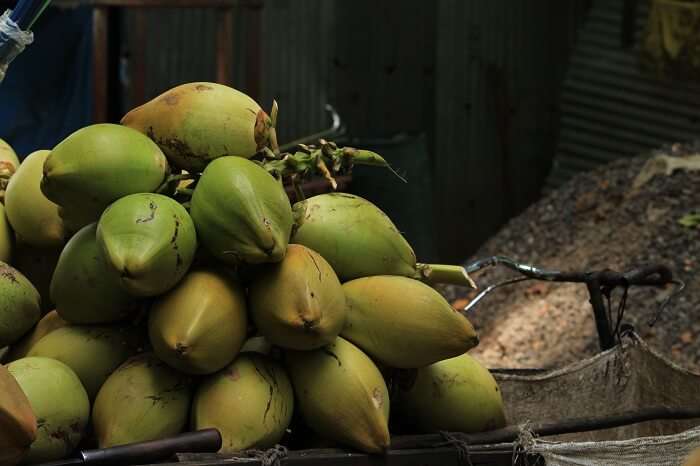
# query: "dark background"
460,95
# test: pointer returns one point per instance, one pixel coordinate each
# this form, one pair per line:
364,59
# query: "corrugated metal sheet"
610,108
297,45
180,46
383,66
499,67
295,56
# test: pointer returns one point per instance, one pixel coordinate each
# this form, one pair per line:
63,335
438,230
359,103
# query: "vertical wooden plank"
100,65
224,46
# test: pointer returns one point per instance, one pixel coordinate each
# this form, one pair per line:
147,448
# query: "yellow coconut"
144,399
93,352
33,217
342,395
457,394
200,325
404,323
298,303
250,403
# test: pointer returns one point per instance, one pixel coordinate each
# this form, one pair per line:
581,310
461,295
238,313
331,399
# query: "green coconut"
342,395
250,402
144,399
195,123
298,303
20,305
33,217
200,325
455,395
83,288
359,240
59,402
93,352
99,164
404,323
149,241
241,212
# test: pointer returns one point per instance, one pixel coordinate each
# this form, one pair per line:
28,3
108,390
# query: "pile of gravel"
598,220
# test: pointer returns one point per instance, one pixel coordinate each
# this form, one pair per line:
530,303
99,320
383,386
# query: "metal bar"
606,339
485,448
448,456
568,426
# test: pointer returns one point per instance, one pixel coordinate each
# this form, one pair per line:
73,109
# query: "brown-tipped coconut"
59,403
197,122
200,325
18,424
250,403
342,395
404,323
8,165
298,303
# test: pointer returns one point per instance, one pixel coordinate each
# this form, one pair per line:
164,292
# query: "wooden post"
224,46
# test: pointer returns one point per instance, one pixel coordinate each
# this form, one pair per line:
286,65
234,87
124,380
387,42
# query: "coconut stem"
273,130
433,274
185,191
300,196
174,178
326,160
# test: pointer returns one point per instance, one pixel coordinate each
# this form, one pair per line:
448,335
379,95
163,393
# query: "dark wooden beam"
163,3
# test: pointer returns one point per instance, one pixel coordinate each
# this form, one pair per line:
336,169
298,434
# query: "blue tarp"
47,93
